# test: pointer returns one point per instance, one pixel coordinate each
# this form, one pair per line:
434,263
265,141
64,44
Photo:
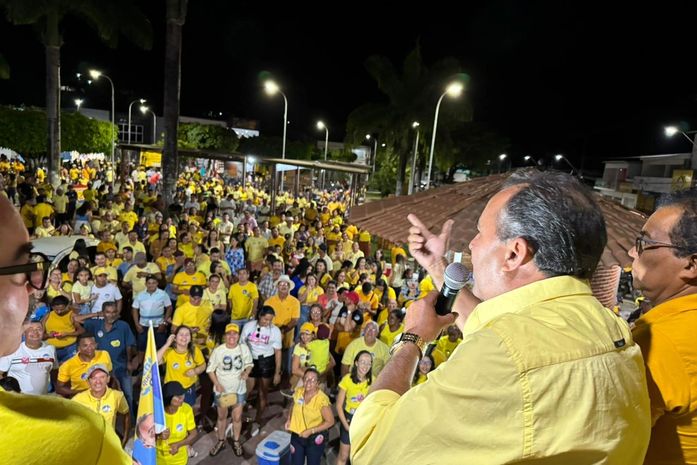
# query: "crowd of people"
245,299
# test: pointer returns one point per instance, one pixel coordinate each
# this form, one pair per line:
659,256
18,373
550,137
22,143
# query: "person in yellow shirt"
196,314
397,249
186,245
368,295
664,271
243,297
392,327
353,388
128,216
446,344
182,281
183,361
309,420
531,327
104,401
426,365
46,229
28,215
72,375
174,442
42,210
287,309
369,342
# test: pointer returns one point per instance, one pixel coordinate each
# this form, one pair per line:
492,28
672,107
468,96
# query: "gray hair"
558,218
684,232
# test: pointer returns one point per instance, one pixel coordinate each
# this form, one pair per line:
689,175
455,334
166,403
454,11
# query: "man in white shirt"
153,304
226,228
33,364
105,291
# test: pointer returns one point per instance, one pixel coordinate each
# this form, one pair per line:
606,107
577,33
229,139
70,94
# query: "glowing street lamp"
96,75
78,103
560,157
272,88
320,126
144,110
142,101
410,189
375,149
672,130
453,90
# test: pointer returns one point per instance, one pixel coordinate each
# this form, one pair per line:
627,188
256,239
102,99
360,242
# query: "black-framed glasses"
641,243
36,270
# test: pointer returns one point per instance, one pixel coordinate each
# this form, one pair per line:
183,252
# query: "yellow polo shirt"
184,281
307,415
537,377
111,403
286,310
178,364
75,370
242,300
69,433
666,335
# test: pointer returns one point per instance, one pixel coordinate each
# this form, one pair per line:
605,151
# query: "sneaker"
220,445
288,393
254,430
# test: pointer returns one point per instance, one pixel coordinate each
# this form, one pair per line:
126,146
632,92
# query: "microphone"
454,279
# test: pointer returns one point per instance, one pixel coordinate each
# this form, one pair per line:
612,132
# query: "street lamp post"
529,158
453,90
144,110
142,101
96,75
78,103
375,149
271,88
672,130
502,159
410,190
321,125
559,157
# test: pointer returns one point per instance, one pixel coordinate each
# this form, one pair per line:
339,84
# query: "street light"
672,130
142,101
560,157
502,157
96,75
410,189
272,88
320,126
375,149
528,158
78,103
453,90
144,110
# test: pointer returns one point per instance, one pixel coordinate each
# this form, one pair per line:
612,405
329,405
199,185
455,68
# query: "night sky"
589,80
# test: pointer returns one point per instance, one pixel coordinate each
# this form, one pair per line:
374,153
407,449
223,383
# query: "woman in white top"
264,341
229,368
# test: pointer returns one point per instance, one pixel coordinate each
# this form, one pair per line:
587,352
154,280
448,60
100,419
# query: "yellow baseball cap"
232,327
101,270
309,327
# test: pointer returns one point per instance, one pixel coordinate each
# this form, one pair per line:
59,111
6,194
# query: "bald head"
14,304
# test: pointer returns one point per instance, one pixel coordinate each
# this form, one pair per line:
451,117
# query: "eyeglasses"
641,244
36,270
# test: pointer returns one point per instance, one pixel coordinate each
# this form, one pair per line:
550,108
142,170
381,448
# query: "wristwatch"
408,338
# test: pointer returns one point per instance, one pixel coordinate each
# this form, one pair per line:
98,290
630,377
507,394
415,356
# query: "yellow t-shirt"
187,249
426,286
163,262
130,217
179,424
184,281
215,298
69,433
242,300
307,415
355,393
75,369
312,295
274,241
194,317
178,364
319,354
387,336
255,247
394,251
286,310
446,346
380,352
56,323
137,283
372,298
111,403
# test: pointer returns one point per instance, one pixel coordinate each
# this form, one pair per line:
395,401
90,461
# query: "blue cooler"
274,449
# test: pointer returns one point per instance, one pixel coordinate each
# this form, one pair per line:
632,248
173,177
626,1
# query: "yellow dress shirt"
666,335
544,374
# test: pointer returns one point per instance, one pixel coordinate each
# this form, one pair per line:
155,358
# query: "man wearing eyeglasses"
665,271
50,418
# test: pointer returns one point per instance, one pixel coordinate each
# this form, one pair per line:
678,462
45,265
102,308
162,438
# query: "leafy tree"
109,18
411,96
207,137
468,145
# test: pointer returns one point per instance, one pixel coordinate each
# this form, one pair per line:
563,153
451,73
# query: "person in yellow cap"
301,357
229,368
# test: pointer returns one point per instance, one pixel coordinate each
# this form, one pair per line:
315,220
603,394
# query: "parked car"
58,248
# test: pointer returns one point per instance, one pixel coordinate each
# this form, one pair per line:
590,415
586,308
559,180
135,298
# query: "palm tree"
411,96
176,16
109,18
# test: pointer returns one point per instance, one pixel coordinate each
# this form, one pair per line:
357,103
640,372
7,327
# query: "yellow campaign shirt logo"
116,343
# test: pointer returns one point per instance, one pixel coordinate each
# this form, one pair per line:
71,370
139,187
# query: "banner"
151,411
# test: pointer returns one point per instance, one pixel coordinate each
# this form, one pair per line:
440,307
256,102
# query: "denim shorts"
241,399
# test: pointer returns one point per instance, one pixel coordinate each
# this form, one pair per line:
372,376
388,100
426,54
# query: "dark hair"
366,287
354,368
219,319
311,370
81,247
558,217
190,346
266,310
85,335
110,303
684,232
10,384
60,300
417,372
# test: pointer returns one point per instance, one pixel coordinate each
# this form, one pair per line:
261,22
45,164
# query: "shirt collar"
667,308
523,297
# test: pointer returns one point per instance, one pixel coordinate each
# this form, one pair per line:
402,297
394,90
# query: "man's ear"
518,253
689,271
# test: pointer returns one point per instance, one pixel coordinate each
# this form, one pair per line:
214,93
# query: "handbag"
227,400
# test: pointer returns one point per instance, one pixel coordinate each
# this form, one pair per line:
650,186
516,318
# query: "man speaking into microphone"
545,374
